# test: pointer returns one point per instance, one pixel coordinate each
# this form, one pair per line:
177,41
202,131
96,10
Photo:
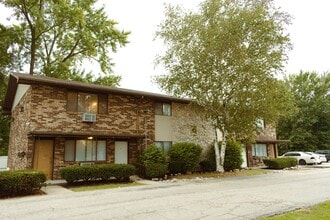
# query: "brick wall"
189,127
18,137
43,110
125,114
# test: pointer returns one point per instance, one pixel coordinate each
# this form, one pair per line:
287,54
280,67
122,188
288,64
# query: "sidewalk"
53,187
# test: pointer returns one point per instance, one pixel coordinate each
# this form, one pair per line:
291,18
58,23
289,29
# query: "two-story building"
57,123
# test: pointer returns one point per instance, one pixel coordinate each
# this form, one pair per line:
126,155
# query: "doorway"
121,152
43,156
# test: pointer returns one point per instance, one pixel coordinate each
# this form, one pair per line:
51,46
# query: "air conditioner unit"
88,117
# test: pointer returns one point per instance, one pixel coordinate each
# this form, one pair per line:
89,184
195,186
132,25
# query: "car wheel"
302,162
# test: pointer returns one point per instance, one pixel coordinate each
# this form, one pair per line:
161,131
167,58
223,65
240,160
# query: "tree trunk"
33,50
217,153
223,148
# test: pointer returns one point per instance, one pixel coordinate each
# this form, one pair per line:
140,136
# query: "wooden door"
43,156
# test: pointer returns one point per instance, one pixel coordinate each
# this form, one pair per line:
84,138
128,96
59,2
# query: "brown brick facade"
41,113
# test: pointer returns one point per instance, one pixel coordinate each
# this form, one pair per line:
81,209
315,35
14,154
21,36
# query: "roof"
19,78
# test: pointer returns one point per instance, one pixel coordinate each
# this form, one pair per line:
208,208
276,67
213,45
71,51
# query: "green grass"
96,185
248,172
82,188
317,212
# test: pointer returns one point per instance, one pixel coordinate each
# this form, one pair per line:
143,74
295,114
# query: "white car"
319,157
302,157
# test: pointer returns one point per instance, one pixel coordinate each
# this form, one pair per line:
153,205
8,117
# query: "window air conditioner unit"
89,117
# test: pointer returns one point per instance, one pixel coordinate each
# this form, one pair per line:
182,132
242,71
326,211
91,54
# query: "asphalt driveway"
229,198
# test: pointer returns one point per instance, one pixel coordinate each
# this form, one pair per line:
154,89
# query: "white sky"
310,35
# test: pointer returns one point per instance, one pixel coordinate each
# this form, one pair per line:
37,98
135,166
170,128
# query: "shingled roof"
18,78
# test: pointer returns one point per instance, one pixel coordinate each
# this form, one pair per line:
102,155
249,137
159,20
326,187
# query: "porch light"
90,138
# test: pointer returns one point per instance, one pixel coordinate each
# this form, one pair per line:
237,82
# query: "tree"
308,127
224,57
59,36
8,36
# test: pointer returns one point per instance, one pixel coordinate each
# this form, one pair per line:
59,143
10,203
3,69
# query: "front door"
121,150
43,156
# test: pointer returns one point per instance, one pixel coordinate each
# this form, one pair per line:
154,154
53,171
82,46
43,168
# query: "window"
163,109
85,150
260,123
84,102
259,150
164,145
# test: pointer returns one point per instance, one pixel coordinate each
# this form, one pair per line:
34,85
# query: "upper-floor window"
260,123
85,102
163,108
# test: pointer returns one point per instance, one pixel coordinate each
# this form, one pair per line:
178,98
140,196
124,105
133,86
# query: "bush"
120,172
154,162
21,182
184,157
233,157
280,163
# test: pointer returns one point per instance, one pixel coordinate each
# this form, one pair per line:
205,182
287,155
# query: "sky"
309,33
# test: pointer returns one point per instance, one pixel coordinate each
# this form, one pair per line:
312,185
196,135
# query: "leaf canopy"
60,36
225,57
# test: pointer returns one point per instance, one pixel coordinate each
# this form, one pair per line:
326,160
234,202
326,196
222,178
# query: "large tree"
224,57
59,36
308,127
9,36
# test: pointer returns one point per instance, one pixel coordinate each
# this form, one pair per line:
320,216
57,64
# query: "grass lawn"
80,188
317,212
243,172
100,185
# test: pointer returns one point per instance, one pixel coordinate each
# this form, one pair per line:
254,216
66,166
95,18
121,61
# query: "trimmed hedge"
106,172
154,162
21,182
280,163
184,157
233,157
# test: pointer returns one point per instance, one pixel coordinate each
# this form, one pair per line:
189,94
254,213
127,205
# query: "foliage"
280,163
154,162
233,159
4,119
59,36
308,127
121,172
224,57
21,182
184,157
8,36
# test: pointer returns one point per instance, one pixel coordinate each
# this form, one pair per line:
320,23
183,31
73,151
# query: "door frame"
52,155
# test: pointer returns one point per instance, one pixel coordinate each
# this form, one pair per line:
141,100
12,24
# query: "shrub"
184,157
121,172
21,182
280,163
233,157
154,162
